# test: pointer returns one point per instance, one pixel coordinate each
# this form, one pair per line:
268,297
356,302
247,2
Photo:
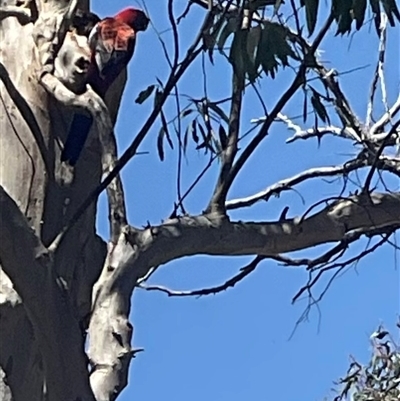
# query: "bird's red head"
133,17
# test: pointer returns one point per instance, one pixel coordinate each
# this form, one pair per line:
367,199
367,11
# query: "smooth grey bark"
32,124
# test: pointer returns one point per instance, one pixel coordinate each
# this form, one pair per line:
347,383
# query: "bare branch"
217,203
288,183
244,272
377,157
343,108
138,252
215,235
386,118
338,267
312,132
378,74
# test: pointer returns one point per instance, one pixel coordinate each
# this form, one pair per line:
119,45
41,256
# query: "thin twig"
288,183
244,272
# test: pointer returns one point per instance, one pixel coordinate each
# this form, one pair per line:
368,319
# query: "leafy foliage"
265,45
346,11
311,7
380,379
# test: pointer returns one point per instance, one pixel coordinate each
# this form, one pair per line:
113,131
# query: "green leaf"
359,7
305,106
216,109
144,94
256,4
206,144
391,10
227,30
211,35
202,132
318,106
186,139
342,13
223,138
238,52
160,143
163,133
311,14
274,48
157,97
242,54
251,62
376,11
186,112
193,129
166,130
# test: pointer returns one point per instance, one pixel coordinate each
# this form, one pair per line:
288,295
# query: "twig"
244,272
313,280
217,202
377,157
350,121
378,74
312,132
385,119
288,183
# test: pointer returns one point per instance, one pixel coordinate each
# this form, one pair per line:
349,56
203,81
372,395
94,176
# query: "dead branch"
288,183
230,283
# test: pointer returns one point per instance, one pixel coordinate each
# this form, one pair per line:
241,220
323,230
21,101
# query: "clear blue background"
235,345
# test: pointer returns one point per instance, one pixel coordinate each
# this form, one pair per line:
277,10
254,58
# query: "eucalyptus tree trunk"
33,124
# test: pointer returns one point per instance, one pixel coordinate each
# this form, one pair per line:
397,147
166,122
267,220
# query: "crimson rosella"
112,43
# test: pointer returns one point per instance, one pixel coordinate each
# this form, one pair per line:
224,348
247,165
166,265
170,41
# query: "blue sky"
235,345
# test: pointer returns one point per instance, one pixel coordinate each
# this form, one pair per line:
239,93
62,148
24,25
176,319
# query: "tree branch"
244,272
386,117
139,252
217,203
288,183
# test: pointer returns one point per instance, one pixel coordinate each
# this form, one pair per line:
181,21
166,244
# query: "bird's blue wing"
76,139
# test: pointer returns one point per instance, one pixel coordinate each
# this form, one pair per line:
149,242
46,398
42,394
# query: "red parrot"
112,43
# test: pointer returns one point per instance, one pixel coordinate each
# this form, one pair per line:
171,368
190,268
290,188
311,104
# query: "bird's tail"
76,139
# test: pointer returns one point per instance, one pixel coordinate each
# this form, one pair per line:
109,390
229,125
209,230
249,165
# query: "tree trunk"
32,126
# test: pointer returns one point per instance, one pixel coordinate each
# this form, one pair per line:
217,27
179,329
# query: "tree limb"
288,183
138,252
244,272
